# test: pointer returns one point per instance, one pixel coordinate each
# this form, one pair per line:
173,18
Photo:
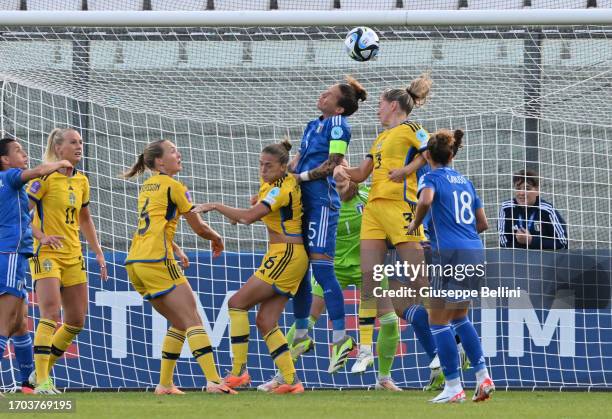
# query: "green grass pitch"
330,404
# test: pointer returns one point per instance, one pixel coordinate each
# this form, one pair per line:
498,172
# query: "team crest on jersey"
72,199
47,265
35,187
336,133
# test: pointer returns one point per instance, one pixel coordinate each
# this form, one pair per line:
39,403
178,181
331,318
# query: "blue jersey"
420,173
320,137
15,219
453,210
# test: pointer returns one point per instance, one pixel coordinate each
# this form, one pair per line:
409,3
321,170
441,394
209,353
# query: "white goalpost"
531,88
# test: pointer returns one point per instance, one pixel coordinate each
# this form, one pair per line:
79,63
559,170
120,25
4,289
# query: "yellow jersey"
284,198
394,148
161,201
58,199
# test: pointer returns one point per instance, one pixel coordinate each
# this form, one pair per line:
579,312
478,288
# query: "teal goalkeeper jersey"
349,228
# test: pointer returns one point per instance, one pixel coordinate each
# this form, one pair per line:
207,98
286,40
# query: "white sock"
300,333
365,348
454,385
482,374
338,334
383,377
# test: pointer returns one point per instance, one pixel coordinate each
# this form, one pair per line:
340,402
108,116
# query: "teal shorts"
346,276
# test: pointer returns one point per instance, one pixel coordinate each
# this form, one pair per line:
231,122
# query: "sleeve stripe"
501,222
552,213
266,204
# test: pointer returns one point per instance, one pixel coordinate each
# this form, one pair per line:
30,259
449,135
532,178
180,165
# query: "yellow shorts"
284,266
69,270
154,279
388,219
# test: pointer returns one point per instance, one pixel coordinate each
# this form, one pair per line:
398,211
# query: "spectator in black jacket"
529,222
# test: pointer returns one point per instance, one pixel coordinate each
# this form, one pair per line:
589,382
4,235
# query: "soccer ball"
361,44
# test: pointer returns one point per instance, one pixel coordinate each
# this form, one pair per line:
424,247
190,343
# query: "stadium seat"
488,4
55,5
182,5
239,5
558,4
9,4
305,4
431,4
368,4
93,5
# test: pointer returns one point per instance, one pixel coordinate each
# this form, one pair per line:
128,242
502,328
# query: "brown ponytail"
444,144
352,93
146,159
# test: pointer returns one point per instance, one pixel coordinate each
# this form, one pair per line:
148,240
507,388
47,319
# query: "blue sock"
302,302
447,350
323,271
24,354
417,316
470,341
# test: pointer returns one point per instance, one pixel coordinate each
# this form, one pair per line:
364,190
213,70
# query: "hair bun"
285,143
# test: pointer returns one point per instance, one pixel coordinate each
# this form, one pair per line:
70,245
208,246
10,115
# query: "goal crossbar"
305,18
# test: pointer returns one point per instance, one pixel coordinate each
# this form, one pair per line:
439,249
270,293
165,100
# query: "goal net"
526,96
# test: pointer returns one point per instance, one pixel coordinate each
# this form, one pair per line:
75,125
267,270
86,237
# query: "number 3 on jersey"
463,215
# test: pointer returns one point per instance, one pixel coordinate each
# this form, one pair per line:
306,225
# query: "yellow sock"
42,348
277,345
171,351
61,341
199,343
239,332
367,319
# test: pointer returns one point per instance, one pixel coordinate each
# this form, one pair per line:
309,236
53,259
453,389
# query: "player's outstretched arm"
355,174
324,170
88,229
203,230
44,169
241,215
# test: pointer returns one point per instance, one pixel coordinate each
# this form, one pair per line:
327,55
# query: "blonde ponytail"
56,137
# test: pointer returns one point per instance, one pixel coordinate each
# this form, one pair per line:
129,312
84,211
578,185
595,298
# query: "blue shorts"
459,272
319,226
13,270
